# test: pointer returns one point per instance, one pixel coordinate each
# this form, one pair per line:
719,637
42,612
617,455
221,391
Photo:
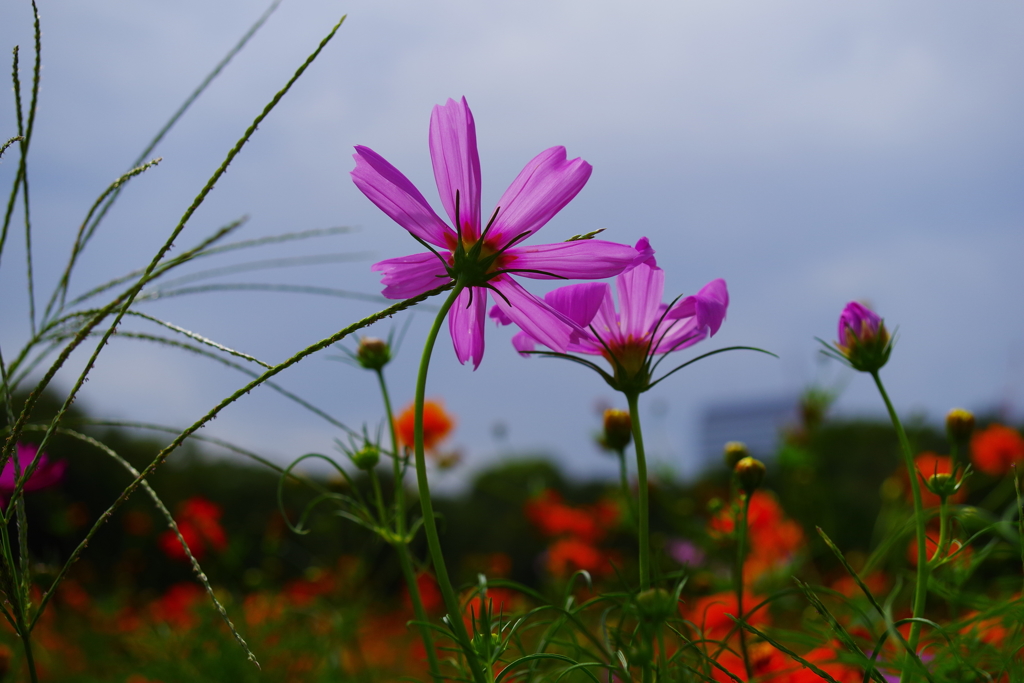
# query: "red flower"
773,539
927,465
437,424
995,449
710,614
177,605
554,518
198,522
568,555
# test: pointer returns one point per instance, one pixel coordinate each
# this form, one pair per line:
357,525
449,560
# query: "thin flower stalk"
741,551
643,521
921,587
401,544
451,601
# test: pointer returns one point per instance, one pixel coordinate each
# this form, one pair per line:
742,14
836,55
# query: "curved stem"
401,544
451,601
921,589
741,551
643,528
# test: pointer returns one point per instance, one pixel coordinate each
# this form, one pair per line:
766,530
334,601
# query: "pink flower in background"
643,327
46,474
485,256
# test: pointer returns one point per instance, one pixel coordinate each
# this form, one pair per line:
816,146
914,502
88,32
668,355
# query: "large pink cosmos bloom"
485,255
45,475
643,327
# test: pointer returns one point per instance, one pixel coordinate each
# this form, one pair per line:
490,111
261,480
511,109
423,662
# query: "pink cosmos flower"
643,328
485,256
45,475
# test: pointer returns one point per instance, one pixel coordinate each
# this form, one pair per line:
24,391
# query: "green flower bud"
618,429
734,452
367,457
959,424
655,604
750,473
373,353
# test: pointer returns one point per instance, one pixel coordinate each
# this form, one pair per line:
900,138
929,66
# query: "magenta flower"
643,328
485,256
45,475
864,342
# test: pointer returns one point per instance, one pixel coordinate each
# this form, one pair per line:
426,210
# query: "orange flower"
568,555
995,449
928,464
437,424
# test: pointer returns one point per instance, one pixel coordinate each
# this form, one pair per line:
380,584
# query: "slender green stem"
624,484
1020,512
643,523
451,601
30,662
942,548
378,497
921,589
401,544
741,552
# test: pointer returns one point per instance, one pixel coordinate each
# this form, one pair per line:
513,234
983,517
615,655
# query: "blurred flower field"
331,605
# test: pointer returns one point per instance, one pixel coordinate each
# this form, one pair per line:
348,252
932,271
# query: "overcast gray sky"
808,152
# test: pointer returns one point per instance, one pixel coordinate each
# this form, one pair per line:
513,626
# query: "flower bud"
618,429
373,353
942,484
959,424
863,339
656,604
367,457
734,452
750,473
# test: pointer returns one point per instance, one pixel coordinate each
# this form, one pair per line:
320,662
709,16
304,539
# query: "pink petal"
645,253
673,335
395,195
543,187
523,343
498,316
606,322
544,324
466,324
708,306
640,291
579,303
457,163
409,276
578,260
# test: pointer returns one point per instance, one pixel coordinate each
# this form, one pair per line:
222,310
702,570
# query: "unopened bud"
734,452
942,484
959,424
863,339
373,353
750,473
656,604
618,429
367,457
